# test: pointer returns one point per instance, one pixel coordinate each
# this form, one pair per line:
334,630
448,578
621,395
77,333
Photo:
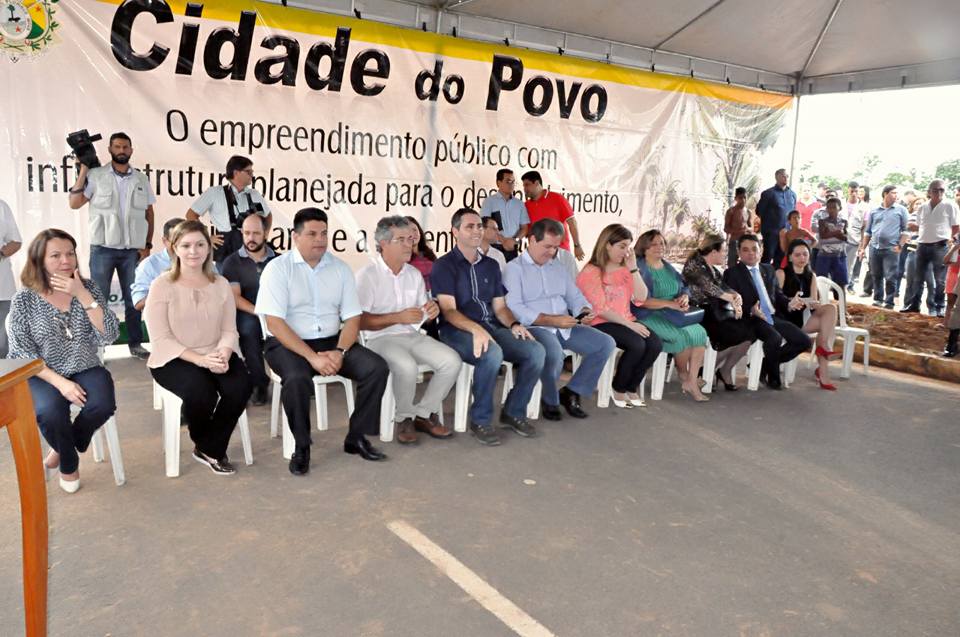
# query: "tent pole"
796,130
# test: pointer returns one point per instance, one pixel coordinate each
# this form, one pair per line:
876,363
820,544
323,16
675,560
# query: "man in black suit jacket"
769,328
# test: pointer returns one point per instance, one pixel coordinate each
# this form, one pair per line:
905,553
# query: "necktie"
762,295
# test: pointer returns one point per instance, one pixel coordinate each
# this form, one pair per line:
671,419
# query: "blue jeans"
592,344
251,346
930,255
53,414
914,293
833,266
103,261
883,268
527,358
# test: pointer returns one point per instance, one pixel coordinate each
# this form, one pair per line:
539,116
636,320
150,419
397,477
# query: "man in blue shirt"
153,266
305,294
886,233
509,212
543,296
775,204
477,323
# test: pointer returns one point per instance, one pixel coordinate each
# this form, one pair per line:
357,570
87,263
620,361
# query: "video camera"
81,142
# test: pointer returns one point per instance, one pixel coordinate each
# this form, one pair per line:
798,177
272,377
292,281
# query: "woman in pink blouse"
191,316
610,282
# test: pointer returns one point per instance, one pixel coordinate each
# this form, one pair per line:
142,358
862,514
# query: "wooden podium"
17,415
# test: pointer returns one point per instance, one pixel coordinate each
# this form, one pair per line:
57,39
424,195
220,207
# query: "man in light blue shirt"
886,233
304,296
509,212
543,296
153,266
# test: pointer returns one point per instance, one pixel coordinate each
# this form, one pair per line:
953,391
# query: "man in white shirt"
394,301
490,234
228,205
938,222
304,296
10,242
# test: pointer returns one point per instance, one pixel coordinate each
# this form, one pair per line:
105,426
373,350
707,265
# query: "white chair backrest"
826,287
263,324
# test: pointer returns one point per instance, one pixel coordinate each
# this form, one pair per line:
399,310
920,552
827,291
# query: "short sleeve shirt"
8,232
311,300
937,224
383,292
509,214
240,270
214,201
552,206
472,285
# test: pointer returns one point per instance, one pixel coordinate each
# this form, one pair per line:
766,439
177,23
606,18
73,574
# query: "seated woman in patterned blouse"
62,318
668,292
191,315
611,283
730,337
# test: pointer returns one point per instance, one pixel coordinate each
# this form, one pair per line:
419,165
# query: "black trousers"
367,369
639,354
775,350
212,402
251,344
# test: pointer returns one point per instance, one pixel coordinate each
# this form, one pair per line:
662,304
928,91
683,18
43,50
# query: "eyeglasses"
249,171
407,240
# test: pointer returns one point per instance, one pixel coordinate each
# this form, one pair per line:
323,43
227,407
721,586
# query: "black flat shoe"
364,449
300,461
727,386
571,402
551,412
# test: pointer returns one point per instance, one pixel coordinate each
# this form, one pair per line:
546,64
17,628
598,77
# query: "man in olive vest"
121,226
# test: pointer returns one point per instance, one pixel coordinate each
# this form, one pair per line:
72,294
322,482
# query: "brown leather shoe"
405,432
432,426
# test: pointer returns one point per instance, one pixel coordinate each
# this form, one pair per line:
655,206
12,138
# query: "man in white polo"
938,222
394,301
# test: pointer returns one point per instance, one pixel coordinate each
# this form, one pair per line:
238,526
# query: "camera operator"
121,226
228,205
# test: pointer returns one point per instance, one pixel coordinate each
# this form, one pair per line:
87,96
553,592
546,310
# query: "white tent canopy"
791,46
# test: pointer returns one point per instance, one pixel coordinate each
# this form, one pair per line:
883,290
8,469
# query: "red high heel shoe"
822,384
827,354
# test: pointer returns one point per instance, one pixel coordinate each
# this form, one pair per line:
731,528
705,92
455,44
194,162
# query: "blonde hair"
179,232
34,275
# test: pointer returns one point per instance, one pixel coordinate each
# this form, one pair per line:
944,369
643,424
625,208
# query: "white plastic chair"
709,368
533,407
277,414
171,405
463,396
850,334
109,432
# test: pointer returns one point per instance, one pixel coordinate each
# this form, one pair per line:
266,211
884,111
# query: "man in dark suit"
757,285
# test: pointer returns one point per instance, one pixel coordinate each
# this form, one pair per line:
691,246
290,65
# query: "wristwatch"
94,305
148,245
342,351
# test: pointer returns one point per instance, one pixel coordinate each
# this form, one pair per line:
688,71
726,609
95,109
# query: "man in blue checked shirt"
886,233
775,204
153,266
545,298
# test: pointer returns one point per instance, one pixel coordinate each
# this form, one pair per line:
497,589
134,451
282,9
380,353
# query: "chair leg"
533,407
461,403
244,425
709,368
605,389
320,394
171,432
96,445
288,441
866,351
157,403
348,388
113,446
387,407
659,377
756,362
275,408
507,383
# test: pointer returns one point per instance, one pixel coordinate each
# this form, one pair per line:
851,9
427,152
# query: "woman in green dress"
668,293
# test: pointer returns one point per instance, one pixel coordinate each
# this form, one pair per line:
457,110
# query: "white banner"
359,119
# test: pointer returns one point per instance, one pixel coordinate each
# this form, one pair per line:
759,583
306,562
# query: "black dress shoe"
551,412
910,309
300,462
571,402
259,396
773,383
364,449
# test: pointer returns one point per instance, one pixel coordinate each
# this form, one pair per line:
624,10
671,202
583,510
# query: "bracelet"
76,191
634,271
515,323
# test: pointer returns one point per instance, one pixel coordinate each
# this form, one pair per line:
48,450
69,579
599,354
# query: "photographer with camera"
228,205
121,224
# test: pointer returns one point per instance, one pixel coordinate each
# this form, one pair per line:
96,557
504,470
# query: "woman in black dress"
731,338
797,279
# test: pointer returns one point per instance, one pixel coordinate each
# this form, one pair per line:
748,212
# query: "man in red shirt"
543,204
